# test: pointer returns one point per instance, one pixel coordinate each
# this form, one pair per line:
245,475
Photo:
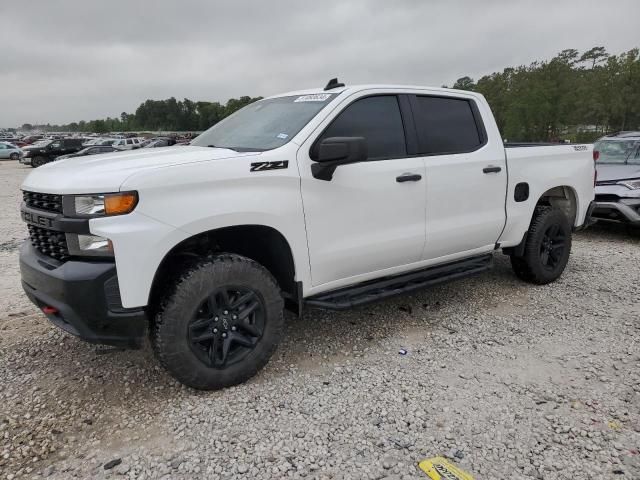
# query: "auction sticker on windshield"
315,97
439,468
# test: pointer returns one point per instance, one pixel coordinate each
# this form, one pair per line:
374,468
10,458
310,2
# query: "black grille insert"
48,202
49,242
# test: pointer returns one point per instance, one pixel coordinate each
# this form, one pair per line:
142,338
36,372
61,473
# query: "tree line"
157,115
576,96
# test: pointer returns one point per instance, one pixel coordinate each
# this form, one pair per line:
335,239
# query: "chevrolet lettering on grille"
34,219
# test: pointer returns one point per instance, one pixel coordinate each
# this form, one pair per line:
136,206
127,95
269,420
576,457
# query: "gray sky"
69,60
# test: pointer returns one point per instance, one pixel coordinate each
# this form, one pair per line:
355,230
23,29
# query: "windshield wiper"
228,148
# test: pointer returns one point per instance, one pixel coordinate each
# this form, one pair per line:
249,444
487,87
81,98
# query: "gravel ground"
510,380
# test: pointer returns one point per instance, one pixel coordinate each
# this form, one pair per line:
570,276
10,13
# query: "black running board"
385,287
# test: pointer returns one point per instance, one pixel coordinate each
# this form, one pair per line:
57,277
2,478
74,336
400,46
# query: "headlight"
631,184
89,245
101,205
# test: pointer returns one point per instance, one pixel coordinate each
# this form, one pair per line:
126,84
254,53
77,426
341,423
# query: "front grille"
49,242
607,198
48,202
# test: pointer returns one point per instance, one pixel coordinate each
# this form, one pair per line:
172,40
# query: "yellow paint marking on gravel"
439,468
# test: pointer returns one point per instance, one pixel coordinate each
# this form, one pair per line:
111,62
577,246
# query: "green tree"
465,83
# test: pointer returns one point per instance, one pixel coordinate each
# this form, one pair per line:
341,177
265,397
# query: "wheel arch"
261,243
564,198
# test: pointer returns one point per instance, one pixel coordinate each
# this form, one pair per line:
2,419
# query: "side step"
385,287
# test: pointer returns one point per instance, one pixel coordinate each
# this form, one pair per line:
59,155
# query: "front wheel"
38,161
547,247
221,323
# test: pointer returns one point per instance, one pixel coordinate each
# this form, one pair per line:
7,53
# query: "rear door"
466,176
367,218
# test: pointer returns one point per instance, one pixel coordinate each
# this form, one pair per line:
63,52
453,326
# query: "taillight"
596,155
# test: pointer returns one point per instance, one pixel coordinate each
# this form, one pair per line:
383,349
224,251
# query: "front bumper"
622,210
83,298
25,160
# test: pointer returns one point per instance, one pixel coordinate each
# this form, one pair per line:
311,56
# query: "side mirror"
335,151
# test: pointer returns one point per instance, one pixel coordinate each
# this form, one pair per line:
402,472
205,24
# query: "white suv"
128,143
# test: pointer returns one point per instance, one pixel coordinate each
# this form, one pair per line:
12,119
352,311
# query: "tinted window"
378,120
445,125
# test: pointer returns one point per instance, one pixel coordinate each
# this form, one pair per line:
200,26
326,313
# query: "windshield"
264,125
41,143
618,151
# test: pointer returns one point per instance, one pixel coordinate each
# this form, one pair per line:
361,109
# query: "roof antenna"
333,83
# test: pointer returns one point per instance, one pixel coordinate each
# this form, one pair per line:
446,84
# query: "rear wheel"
547,247
14,156
38,161
221,323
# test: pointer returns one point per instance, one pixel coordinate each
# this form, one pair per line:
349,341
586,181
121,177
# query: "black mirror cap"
335,151
342,150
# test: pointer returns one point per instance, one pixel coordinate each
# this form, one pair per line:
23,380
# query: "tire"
195,324
38,161
14,156
633,230
547,247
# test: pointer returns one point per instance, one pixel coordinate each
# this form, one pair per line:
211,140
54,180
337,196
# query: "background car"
617,159
160,142
93,150
10,151
46,151
99,141
128,143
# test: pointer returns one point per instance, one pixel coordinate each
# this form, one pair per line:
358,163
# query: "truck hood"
106,172
611,171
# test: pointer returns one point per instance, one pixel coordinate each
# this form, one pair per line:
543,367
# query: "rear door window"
378,120
446,125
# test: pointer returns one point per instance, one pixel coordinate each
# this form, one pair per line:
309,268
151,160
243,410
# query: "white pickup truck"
325,198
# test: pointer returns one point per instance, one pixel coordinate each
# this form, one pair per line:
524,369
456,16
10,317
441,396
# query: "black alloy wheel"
552,246
227,326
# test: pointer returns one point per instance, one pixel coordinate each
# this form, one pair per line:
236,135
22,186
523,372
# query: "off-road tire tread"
527,266
160,338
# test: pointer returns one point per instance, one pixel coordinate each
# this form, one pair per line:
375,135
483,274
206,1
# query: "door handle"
408,177
491,169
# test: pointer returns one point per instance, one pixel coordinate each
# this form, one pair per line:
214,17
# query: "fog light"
89,245
94,243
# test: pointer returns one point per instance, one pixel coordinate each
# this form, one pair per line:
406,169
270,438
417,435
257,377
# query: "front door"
371,215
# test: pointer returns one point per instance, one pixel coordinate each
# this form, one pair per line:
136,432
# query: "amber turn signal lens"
120,203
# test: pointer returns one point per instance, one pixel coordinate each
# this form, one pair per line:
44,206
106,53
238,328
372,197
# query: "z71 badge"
262,166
